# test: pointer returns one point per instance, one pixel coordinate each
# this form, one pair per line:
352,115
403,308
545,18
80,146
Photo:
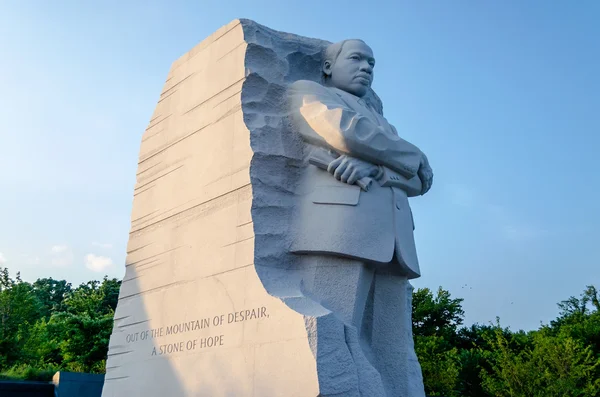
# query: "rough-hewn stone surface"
378,359
212,302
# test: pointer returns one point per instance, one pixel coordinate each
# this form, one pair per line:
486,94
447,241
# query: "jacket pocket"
341,195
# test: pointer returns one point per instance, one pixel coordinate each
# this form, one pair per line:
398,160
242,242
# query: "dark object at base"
72,384
26,389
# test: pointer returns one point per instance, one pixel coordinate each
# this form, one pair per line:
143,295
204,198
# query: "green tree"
439,364
94,298
553,367
51,294
81,339
19,310
435,319
82,332
48,325
473,347
579,318
39,347
438,315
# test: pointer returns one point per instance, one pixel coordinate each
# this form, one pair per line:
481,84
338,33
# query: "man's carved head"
348,65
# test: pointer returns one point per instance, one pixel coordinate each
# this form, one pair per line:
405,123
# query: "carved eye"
355,57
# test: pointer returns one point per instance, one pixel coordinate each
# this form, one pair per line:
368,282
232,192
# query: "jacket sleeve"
413,186
325,120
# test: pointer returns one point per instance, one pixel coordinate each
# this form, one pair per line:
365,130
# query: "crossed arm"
326,121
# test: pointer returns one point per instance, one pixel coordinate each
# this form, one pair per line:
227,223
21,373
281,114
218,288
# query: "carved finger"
427,185
339,171
355,176
347,173
334,164
372,171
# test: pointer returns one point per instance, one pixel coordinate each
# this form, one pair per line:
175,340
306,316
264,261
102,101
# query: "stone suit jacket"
334,218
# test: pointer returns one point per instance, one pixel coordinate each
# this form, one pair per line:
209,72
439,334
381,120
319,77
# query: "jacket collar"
358,104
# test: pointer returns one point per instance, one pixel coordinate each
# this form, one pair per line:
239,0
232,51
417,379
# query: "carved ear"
327,68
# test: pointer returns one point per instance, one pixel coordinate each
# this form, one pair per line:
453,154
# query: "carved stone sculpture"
271,237
353,221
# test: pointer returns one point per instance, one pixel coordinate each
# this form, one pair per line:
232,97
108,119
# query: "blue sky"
504,97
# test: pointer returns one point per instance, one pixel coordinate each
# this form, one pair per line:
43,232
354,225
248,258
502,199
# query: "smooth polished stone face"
352,70
193,317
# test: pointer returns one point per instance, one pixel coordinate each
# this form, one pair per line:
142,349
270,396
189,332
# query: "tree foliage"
48,325
438,315
559,359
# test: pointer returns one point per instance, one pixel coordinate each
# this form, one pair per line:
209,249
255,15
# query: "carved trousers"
364,347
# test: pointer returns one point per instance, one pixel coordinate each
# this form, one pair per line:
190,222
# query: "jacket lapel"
358,105
355,104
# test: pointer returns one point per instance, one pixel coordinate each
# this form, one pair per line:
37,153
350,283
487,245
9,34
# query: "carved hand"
425,174
349,169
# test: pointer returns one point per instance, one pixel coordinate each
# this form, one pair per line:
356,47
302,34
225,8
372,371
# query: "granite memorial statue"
271,241
354,224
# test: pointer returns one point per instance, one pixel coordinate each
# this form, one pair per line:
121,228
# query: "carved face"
352,71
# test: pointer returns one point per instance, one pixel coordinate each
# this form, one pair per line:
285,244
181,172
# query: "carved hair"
333,51
331,54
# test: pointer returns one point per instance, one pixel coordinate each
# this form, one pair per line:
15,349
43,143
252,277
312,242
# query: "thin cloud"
57,249
97,263
62,256
31,259
2,259
102,245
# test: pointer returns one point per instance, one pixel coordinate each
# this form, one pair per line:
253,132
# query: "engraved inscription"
197,325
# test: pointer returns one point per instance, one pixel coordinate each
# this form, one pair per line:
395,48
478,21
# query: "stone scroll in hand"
322,159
